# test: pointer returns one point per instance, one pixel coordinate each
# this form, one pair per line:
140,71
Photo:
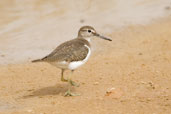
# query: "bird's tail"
37,60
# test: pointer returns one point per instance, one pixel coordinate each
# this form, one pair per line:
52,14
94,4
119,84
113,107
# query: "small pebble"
2,55
109,91
139,53
82,21
96,83
167,7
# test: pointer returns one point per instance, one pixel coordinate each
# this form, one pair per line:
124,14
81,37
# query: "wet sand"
30,29
130,75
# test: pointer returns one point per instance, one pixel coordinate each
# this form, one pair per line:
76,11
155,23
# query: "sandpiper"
72,54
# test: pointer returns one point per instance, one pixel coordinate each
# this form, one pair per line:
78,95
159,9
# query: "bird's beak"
102,37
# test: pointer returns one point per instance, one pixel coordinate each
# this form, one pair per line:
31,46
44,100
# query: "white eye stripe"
88,30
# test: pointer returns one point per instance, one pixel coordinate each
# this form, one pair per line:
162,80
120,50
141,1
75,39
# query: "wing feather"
73,50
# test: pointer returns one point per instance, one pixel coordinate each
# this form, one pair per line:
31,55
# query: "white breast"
76,64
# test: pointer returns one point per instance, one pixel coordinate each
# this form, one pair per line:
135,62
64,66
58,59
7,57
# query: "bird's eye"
89,31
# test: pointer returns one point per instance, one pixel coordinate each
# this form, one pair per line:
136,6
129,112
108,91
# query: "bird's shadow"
51,90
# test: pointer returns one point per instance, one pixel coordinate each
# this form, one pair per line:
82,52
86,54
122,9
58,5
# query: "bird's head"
88,32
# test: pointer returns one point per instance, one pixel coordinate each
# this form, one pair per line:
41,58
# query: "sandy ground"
130,75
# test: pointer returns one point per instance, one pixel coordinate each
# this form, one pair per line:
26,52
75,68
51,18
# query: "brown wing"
73,50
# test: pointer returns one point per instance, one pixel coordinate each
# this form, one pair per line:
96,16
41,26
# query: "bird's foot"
63,79
69,93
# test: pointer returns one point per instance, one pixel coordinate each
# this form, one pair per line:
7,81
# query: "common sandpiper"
72,54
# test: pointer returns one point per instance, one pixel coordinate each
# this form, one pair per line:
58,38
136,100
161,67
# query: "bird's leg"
62,76
68,92
69,80
72,82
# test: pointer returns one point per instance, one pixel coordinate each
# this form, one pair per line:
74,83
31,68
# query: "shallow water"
30,29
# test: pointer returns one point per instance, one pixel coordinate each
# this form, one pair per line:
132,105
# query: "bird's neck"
85,41
86,38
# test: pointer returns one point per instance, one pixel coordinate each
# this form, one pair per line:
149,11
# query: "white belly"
76,64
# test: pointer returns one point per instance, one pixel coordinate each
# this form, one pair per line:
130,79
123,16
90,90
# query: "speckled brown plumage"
73,50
